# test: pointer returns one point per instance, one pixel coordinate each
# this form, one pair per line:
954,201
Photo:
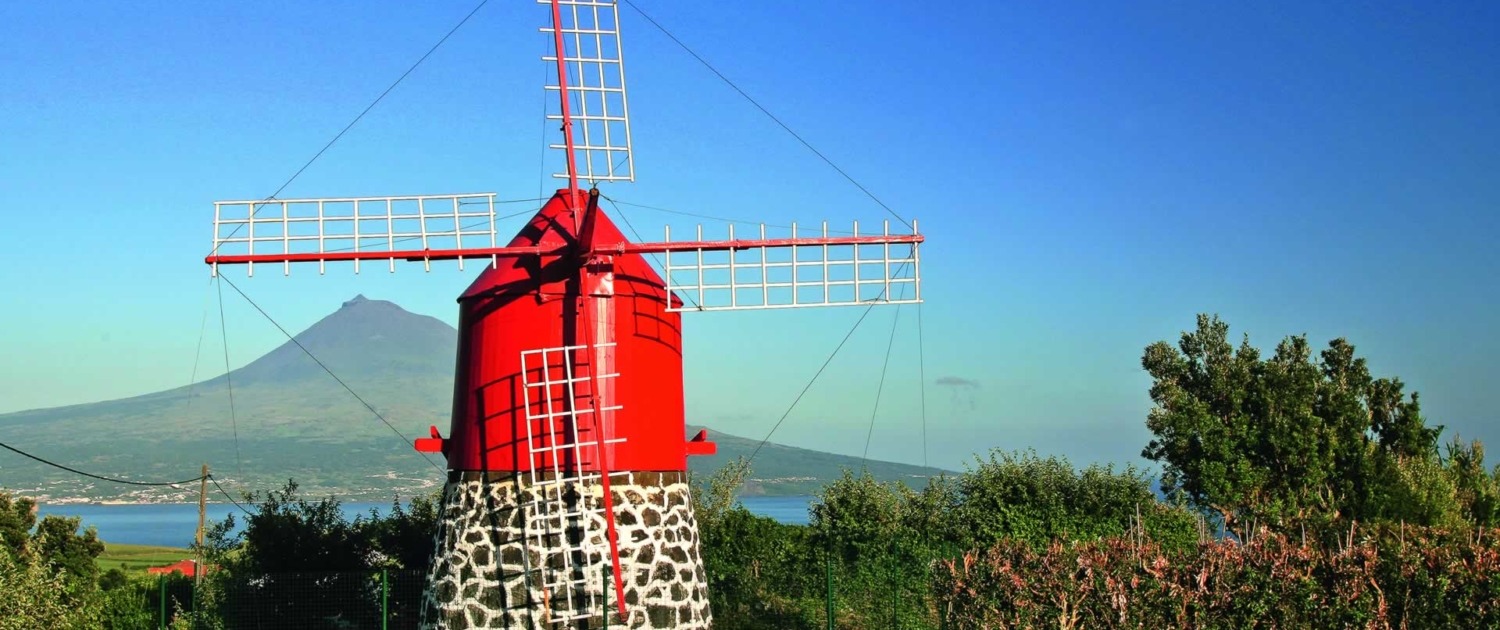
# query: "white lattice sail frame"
562,464
795,272
598,106
340,228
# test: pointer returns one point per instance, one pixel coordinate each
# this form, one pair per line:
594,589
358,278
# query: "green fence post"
161,595
385,599
608,584
829,563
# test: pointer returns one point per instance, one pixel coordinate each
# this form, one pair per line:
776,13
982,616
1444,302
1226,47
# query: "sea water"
173,524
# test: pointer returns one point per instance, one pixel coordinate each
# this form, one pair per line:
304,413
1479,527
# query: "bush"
1419,578
878,544
32,595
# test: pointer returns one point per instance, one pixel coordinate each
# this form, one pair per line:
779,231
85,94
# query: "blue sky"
1089,175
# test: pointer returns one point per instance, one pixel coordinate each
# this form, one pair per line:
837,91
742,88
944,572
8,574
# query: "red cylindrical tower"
531,302
534,514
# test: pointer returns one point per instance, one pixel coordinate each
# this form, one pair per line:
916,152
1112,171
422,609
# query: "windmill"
566,502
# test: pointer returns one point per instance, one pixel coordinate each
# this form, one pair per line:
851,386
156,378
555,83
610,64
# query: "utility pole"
202,515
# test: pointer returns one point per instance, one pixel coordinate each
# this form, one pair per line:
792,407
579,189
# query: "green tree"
1477,490
302,559
1285,439
294,559
33,596
58,542
17,517
54,545
403,536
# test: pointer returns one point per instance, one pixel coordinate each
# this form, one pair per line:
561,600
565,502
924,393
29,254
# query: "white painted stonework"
491,568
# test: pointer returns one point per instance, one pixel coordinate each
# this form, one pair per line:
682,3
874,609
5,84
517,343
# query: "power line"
341,382
810,382
227,496
767,112
922,381
198,353
92,475
709,216
885,365
662,264
460,229
234,422
314,158
873,303
485,203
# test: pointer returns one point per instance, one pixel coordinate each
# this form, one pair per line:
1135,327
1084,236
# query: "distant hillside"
784,470
293,420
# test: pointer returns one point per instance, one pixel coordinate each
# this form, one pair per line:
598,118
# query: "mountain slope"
292,420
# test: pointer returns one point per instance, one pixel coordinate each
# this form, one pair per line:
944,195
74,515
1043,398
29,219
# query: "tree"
58,543
1478,490
47,576
17,517
302,559
33,596
1283,439
55,541
295,559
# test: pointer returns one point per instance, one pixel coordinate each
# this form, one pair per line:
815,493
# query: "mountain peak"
364,338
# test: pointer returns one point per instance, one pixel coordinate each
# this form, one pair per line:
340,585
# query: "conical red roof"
552,226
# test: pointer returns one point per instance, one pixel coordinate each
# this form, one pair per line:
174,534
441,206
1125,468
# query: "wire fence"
369,600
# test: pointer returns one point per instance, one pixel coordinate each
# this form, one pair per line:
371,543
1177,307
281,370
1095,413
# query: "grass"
137,558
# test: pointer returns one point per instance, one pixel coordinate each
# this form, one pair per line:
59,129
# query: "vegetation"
1289,442
1431,579
300,559
47,569
1338,509
875,544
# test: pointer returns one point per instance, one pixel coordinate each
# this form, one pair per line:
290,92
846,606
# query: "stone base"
490,568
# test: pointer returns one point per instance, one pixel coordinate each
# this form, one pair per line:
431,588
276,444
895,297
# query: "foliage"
1423,578
37,596
16,520
130,602
301,559
1037,500
58,542
1477,490
874,544
402,538
47,568
1287,440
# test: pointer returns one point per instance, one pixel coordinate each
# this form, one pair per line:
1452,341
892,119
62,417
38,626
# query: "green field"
137,558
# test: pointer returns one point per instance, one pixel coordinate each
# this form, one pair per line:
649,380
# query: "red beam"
682,246
615,249
410,254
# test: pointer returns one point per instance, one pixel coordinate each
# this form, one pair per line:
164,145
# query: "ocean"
173,524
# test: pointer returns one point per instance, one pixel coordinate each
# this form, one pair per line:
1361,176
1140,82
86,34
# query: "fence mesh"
378,600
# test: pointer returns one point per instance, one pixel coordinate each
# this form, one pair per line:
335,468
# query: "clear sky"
1089,176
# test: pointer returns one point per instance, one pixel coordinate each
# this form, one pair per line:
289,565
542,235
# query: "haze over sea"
172,524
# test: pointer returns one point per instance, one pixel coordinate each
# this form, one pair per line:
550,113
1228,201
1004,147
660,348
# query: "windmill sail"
323,230
800,270
569,515
593,92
